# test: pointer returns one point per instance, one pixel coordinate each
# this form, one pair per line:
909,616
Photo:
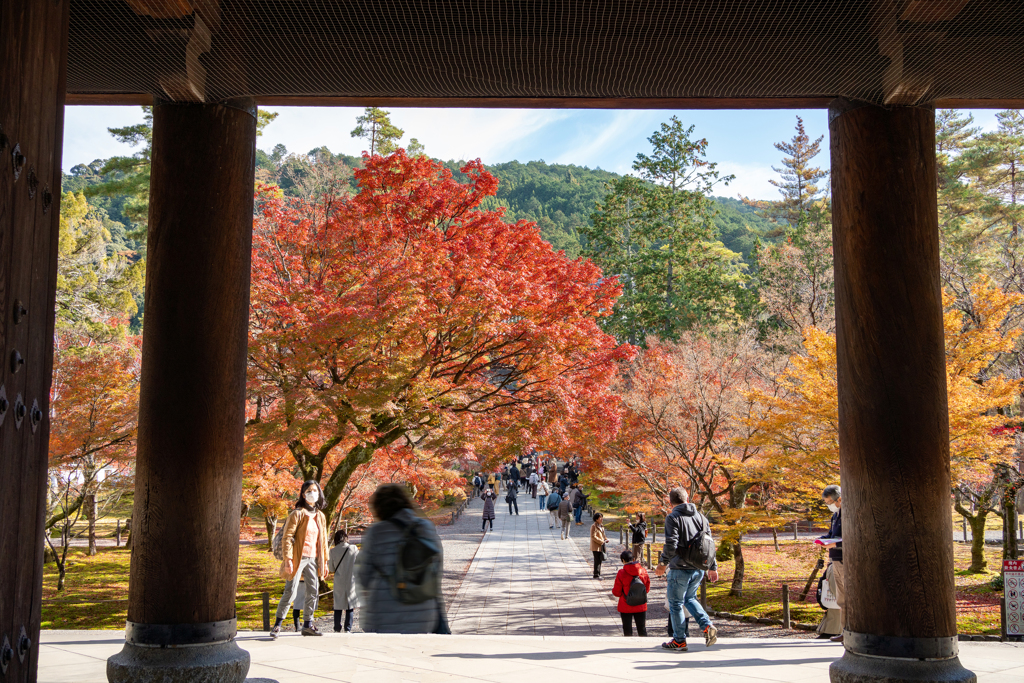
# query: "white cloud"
751,180
593,144
86,137
491,134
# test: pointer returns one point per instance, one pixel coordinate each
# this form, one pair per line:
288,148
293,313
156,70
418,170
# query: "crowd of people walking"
393,578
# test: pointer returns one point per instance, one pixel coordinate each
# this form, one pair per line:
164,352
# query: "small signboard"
1013,590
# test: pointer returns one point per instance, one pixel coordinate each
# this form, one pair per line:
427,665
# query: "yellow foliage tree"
799,428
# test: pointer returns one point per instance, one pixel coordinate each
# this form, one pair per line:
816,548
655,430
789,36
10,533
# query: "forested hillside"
560,198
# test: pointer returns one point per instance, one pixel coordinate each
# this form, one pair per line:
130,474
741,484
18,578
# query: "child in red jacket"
637,611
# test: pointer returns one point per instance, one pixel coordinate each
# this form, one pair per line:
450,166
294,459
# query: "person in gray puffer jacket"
683,525
380,612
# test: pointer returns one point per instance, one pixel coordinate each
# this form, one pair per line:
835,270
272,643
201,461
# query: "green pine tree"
656,232
376,128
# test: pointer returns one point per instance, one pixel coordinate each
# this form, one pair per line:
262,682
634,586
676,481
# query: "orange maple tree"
94,407
688,408
405,317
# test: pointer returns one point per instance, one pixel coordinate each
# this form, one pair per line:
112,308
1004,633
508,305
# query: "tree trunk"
775,538
740,569
271,524
90,515
60,576
978,562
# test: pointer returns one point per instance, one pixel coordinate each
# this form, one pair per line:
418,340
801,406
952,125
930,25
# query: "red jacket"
621,587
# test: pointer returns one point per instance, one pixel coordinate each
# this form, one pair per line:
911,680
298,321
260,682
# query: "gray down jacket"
378,611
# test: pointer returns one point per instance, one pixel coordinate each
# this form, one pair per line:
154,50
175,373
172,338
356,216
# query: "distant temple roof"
613,53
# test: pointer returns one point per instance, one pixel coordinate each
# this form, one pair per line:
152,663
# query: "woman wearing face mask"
304,546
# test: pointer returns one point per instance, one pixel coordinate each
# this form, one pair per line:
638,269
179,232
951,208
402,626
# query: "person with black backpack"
632,584
688,552
399,568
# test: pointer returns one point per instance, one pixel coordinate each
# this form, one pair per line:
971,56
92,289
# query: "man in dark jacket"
682,525
513,474
833,498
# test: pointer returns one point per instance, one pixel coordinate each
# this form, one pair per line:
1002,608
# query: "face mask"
312,496
833,507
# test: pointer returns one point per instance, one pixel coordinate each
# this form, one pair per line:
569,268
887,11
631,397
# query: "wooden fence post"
118,533
266,611
704,593
785,606
796,530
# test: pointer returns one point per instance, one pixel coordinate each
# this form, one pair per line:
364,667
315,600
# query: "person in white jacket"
542,492
342,562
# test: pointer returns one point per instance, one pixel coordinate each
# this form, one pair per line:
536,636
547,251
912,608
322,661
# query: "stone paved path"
524,580
80,657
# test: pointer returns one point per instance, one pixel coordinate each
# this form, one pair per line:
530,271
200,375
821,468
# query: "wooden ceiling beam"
122,99
930,11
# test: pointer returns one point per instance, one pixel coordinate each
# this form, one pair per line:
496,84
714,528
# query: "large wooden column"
893,418
33,52
181,591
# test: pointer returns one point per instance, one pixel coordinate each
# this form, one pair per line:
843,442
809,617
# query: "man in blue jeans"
682,525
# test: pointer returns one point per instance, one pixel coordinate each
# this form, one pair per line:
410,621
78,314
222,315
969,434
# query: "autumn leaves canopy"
405,318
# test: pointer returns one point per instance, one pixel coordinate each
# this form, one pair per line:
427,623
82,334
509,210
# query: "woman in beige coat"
304,546
597,541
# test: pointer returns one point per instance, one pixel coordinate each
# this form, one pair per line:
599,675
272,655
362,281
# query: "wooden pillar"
33,58
893,418
181,589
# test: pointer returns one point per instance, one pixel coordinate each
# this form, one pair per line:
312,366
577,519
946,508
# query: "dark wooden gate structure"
879,67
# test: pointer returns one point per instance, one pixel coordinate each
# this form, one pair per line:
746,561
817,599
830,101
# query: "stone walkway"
525,580
80,657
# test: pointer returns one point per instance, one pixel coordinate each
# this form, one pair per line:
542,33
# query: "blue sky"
741,141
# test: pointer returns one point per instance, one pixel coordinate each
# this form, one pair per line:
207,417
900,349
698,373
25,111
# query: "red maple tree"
407,317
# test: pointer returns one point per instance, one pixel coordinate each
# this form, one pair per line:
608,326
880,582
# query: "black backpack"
699,551
416,573
637,594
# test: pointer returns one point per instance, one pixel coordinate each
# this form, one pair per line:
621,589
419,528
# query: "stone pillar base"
219,663
854,668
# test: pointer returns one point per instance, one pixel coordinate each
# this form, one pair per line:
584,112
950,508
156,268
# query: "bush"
997,582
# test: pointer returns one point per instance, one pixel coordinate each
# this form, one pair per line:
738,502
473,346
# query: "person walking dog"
342,563
632,584
685,554
304,548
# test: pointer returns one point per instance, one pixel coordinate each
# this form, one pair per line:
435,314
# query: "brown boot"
837,639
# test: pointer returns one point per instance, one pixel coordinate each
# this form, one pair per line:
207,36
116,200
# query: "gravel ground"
657,611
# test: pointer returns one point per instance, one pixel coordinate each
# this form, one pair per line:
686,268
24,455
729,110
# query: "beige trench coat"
294,537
